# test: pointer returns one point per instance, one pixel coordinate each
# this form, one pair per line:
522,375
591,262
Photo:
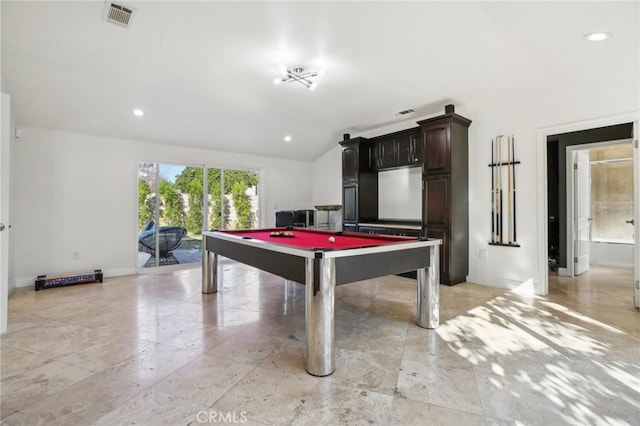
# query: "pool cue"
509,205
499,192
513,164
493,194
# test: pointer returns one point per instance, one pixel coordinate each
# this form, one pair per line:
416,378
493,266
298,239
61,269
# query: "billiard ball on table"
332,240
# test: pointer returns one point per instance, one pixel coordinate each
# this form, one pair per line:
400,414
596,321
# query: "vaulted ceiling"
203,71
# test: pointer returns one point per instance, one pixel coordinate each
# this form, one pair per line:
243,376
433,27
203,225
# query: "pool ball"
332,240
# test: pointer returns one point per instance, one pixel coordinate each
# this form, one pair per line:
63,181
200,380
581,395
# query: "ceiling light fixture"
299,74
287,138
599,36
138,112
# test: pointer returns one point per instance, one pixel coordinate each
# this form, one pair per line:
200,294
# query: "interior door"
582,209
5,137
636,217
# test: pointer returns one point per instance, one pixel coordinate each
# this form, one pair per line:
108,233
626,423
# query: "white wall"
76,192
611,254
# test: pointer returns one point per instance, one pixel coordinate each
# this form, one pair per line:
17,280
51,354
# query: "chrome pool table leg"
209,269
428,315
319,316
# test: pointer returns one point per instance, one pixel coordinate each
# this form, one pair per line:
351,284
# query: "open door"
582,209
5,137
636,217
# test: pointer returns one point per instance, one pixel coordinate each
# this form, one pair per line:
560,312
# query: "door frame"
542,284
570,269
636,216
6,259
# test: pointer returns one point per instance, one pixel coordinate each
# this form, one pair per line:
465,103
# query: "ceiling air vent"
118,14
405,112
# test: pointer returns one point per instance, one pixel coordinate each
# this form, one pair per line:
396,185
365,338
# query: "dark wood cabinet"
437,143
409,150
440,146
445,191
382,230
349,227
350,160
385,154
400,149
350,203
436,203
359,182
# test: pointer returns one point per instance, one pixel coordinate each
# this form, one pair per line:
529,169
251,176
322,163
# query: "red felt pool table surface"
316,239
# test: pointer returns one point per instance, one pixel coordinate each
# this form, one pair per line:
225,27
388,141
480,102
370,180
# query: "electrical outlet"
75,255
483,254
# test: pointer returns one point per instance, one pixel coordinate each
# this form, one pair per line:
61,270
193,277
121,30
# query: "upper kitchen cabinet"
400,149
445,142
355,158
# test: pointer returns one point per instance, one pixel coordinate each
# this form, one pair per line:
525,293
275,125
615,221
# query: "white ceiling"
203,71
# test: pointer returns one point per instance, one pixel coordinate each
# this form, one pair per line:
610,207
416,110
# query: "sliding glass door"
176,203
170,212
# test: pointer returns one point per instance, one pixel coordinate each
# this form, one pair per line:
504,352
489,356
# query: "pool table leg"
429,291
319,317
209,270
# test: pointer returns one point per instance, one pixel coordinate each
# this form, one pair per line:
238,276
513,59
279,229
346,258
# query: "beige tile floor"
153,350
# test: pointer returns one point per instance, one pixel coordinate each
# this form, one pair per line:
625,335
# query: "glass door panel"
170,214
147,213
240,189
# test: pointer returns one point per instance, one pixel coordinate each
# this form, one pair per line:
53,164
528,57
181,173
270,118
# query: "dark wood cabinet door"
367,230
350,227
404,151
409,150
410,233
385,154
350,203
435,200
417,149
437,149
443,235
349,163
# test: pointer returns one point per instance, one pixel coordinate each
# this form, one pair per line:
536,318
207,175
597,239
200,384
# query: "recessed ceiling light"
597,36
138,112
287,138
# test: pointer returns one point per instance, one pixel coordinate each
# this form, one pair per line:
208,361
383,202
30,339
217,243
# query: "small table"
310,258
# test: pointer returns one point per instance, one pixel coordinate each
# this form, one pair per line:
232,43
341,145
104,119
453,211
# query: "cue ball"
332,240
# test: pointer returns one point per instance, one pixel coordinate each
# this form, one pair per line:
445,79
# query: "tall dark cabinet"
440,146
445,191
359,183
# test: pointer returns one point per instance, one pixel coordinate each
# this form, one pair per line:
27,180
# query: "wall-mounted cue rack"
503,192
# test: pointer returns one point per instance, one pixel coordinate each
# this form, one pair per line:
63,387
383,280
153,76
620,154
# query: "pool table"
322,260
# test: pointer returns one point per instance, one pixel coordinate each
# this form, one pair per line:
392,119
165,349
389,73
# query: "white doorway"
600,227
542,282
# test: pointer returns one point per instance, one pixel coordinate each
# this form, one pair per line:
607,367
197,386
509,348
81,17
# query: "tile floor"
153,350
